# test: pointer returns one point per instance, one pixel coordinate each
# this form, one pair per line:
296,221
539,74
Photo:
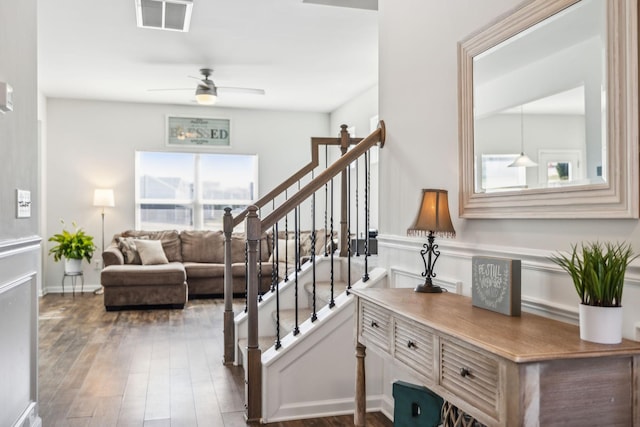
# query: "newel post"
254,354
229,327
345,139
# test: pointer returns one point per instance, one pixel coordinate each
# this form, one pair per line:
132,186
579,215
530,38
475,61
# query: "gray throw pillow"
129,250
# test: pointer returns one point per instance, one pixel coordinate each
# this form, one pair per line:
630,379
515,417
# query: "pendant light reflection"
522,160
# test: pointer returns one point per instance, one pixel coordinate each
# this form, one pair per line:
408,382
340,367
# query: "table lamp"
433,218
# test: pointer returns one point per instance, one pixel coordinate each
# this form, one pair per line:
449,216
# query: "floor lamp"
102,198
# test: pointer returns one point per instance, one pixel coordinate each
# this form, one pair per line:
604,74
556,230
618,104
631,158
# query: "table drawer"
413,344
375,325
471,375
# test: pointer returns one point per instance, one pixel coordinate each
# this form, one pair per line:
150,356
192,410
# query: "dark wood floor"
143,368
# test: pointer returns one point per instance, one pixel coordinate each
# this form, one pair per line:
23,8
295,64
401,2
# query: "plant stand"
74,276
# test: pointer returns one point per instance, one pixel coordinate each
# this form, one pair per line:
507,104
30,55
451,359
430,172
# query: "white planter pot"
600,324
72,266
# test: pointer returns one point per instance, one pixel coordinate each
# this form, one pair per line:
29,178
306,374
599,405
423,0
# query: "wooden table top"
521,339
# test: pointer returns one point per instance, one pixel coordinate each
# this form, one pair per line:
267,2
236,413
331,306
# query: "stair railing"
256,228
230,222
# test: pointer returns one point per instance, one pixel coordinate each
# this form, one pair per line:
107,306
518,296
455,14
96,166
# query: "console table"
502,370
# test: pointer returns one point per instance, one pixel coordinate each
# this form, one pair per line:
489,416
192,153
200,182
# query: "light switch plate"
23,204
6,97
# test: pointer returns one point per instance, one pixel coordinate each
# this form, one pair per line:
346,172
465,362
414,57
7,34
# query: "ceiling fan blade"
247,90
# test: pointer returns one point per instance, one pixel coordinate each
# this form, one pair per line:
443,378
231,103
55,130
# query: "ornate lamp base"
428,288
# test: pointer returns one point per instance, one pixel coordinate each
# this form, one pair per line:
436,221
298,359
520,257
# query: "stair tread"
288,319
263,342
323,292
323,289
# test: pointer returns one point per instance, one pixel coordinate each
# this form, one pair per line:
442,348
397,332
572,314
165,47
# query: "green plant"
597,271
74,244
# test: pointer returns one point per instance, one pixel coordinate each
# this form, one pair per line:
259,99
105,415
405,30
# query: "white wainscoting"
20,268
547,290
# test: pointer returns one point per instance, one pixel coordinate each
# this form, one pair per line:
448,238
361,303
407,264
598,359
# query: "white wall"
357,114
20,268
418,101
91,144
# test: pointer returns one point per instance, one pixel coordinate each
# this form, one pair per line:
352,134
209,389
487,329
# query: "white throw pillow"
151,252
290,247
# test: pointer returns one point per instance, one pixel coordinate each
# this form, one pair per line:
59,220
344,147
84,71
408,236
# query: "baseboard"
88,289
325,408
387,406
29,417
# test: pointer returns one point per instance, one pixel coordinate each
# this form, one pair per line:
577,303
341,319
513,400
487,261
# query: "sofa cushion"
203,269
202,246
286,250
127,246
322,239
238,244
133,275
170,241
151,252
238,269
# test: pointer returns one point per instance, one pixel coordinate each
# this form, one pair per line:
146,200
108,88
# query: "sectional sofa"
152,268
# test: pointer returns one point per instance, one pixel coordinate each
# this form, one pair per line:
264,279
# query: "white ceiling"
305,56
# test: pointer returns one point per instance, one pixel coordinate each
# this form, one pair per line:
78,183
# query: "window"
498,176
189,191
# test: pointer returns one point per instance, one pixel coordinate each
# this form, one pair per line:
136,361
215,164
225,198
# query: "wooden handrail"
254,229
316,142
337,167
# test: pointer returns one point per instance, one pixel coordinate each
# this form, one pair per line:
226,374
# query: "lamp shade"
523,161
433,215
103,197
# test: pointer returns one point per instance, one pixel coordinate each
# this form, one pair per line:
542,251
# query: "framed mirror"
548,112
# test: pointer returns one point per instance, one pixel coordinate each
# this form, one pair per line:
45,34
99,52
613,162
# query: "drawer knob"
374,324
464,372
411,344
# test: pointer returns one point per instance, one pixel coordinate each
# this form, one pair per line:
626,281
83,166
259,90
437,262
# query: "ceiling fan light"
206,95
206,99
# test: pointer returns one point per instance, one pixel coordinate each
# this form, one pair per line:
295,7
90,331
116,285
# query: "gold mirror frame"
618,197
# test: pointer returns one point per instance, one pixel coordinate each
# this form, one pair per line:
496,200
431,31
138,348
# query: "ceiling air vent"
173,15
356,4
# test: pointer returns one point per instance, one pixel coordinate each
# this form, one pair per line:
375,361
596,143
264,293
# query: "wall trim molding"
13,247
532,259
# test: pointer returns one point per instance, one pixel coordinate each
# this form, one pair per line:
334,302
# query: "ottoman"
144,286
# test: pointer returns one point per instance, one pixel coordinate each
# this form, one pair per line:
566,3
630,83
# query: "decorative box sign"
207,132
496,284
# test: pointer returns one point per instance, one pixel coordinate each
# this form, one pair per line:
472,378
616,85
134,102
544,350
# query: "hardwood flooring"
142,368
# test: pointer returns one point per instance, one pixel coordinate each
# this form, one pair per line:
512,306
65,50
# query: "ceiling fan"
207,91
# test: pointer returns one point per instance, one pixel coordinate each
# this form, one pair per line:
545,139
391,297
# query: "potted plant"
73,246
597,271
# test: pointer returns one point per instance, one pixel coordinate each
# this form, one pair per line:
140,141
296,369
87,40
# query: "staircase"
320,353
295,341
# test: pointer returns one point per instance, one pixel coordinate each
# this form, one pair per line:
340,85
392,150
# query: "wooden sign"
496,284
202,131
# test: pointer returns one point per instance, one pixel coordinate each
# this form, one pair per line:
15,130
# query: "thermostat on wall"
6,97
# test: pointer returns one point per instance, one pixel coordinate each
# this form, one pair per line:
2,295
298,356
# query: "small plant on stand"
73,246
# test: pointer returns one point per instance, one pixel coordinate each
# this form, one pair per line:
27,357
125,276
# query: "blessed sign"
496,284
198,131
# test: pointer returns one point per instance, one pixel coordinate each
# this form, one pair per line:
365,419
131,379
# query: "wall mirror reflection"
547,102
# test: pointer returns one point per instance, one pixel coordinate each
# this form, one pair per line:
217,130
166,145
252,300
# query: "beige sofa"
192,266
